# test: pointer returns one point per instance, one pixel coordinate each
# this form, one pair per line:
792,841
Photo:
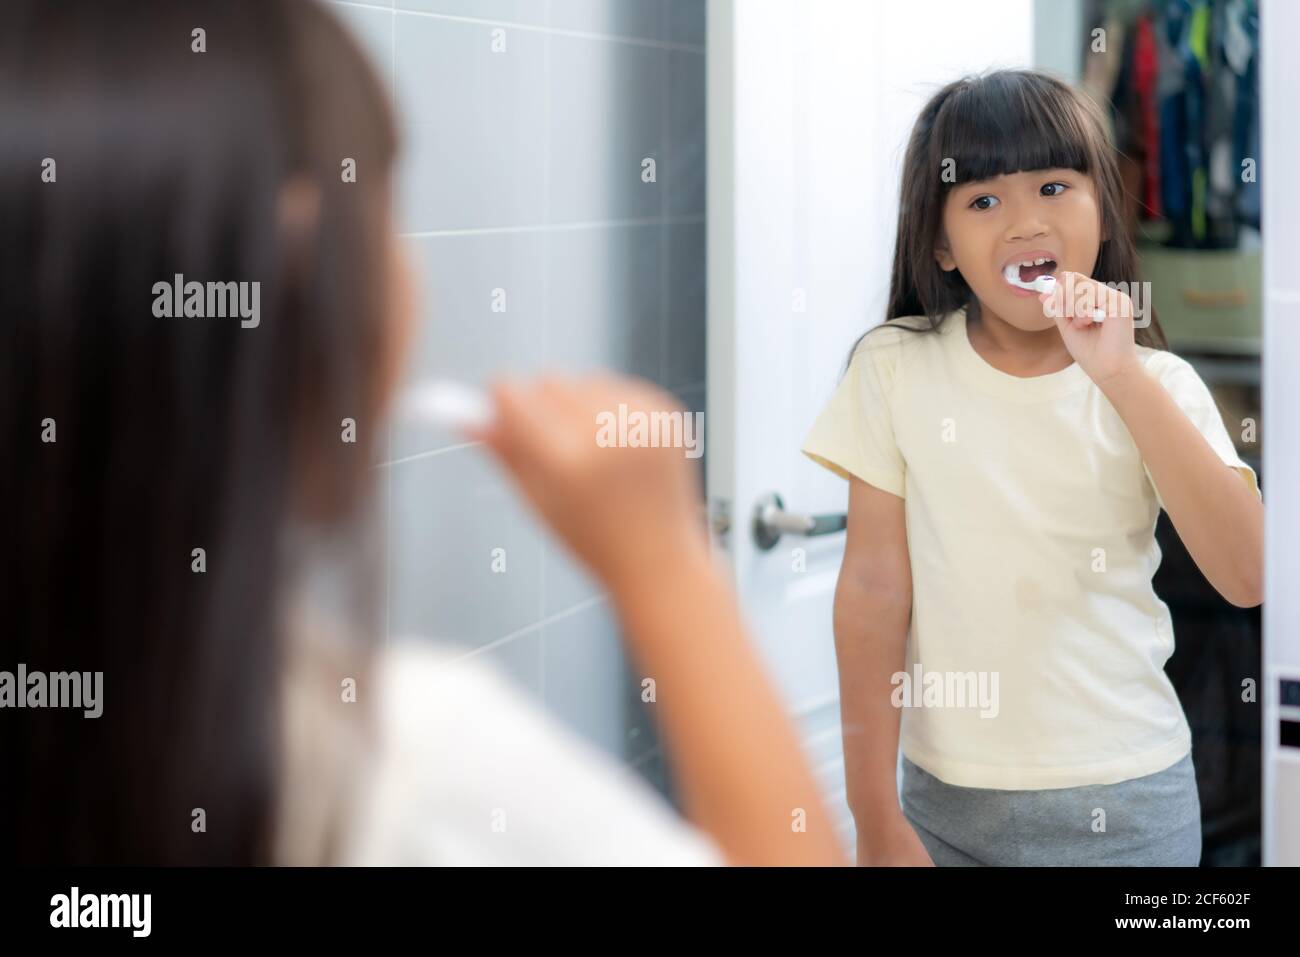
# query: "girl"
180,494
1007,456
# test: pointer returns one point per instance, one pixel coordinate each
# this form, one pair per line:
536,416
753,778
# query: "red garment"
1144,75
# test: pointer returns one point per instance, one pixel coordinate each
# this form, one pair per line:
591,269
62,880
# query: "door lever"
771,521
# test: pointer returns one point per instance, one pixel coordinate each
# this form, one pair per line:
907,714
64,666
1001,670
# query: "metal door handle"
771,521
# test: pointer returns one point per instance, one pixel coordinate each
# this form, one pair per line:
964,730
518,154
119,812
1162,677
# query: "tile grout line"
428,454
665,123
546,326
388,473
558,227
665,126
535,28
505,639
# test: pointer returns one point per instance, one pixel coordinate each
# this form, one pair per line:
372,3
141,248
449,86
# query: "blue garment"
1244,16
1208,107
1174,186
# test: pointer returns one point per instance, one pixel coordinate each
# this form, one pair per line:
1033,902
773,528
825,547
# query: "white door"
809,106
1280,692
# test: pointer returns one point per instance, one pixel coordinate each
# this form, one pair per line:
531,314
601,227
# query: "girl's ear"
943,257
299,214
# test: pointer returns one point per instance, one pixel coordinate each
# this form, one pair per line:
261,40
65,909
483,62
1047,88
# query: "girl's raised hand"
1103,349
625,512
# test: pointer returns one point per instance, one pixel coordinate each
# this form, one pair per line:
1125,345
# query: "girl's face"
990,225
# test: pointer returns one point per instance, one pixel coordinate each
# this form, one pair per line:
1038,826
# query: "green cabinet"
1206,301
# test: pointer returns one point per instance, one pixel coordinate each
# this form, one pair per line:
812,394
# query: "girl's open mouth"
1020,275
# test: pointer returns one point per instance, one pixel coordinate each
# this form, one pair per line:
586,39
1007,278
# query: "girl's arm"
744,777
873,609
1218,516
630,515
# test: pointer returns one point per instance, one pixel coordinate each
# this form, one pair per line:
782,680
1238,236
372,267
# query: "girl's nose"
1026,230
1025,220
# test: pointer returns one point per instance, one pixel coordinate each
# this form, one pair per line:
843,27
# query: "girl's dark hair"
1002,122
133,149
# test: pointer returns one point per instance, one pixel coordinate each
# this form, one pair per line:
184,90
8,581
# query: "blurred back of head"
130,157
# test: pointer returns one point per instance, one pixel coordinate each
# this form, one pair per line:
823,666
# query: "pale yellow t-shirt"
1031,526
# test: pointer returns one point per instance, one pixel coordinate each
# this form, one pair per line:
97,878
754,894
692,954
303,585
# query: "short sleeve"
1193,396
853,435
471,771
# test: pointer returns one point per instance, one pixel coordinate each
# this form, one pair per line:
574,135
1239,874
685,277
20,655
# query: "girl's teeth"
1042,283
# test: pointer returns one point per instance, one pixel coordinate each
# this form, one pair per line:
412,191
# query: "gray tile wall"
522,171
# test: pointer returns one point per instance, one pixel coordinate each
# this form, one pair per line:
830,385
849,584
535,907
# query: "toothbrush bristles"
447,403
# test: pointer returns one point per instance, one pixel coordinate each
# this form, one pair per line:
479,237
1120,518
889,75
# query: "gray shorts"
1151,821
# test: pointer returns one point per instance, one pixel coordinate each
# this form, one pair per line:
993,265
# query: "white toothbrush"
447,403
1042,284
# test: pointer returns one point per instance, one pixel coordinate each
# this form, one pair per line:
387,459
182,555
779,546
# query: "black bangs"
1008,122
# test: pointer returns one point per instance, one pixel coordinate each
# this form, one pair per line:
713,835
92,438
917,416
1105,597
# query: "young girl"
1008,455
182,512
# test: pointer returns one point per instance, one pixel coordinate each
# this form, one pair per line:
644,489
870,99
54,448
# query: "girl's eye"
1063,186
975,204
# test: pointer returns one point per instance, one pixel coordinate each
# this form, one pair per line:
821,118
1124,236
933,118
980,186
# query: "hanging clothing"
1145,63
1181,79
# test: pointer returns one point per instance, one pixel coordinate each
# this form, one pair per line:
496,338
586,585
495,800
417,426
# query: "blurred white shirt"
459,767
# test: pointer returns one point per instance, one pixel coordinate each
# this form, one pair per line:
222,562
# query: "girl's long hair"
134,150
1002,122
